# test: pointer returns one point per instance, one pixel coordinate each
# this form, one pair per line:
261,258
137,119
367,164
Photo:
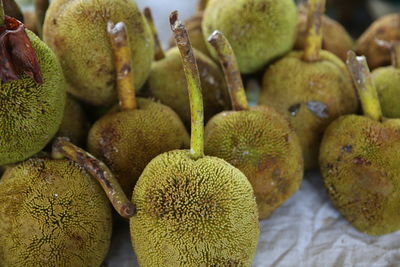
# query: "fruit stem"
41,7
123,65
362,78
313,43
62,148
2,18
394,47
201,6
159,51
193,85
231,70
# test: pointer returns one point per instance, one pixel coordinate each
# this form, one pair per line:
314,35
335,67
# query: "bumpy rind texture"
167,83
193,213
387,82
260,143
77,32
335,37
386,28
53,214
258,30
360,164
310,96
31,113
128,140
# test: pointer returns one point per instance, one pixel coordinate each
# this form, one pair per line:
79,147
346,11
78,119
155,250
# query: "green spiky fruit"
31,113
310,96
128,140
360,164
77,32
167,83
258,30
260,143
387,82
193,213
52,213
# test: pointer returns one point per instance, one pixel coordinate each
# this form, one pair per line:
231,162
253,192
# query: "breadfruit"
387,81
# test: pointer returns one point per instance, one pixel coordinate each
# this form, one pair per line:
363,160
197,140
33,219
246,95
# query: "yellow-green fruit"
31,113
258,30
335,37
310,96
77,32
193,213
260,143
360,163
52,213
75,124
386,28
387,82
128,140
167,83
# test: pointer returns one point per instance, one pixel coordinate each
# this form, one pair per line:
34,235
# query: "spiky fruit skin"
128,140
31,113
310,96
335,37
385,28
52,213
360,165
193,213
167,83
75,124
387,82
76,30
260,143
258,30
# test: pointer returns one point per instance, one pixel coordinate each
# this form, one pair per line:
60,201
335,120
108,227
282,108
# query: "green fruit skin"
128,140
31,113
387,82
292,82
260,143
52,214
77,32
360,164
167,83
193,213
258,30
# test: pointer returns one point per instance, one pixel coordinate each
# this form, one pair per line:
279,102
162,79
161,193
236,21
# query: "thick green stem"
313,43
41,7
364,82
123,65
193,85
159,53
2,14
231,70
63,148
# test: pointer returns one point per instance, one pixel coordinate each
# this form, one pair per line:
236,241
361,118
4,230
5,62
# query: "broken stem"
159,53
193,85
362,78
231,70
123,65
313,42
41,7
62,148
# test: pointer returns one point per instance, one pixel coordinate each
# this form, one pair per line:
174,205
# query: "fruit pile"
92,75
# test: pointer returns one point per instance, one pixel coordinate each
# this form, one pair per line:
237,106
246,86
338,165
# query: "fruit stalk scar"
365,85
41,7
313,42
123,65
193,84
231,70
159,53
63,148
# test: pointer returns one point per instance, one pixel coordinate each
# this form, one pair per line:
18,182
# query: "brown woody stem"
202,4
231,70
313,43
159,54
364,82
193,85
41,7
123,65
63,148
